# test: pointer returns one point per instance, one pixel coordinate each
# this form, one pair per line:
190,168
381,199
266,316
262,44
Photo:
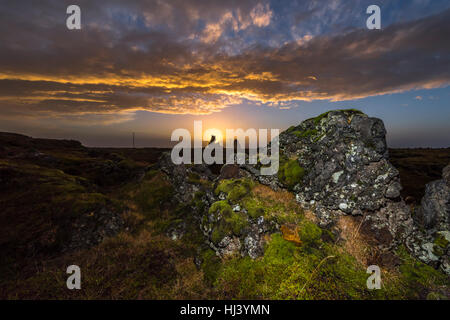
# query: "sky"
150,67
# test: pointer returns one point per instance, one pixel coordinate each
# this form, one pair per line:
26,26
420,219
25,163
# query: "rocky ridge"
347,172
336,164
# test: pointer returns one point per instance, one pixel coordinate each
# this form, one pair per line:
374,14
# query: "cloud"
261,15
184,58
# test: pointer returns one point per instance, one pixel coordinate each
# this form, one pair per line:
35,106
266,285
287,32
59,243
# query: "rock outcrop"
434,211
337,164
433,220
216,202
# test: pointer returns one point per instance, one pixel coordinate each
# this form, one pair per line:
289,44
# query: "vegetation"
152,193
221,207
319,118
306,133
229,222
40,207
320,270
44,199
235,189
290,272
417,277
440,244
290,173
254,207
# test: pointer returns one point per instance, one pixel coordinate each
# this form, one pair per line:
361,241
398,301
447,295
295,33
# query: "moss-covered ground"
40,199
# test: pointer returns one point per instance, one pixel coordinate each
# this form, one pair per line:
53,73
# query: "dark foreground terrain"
112,212
418,167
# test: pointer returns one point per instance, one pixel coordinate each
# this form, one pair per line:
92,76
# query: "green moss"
198,202
199,195
322,271
417,277
221,227
220,206
418,274
217,235
320,117
244,278
230,222
240,278
42,205
306,133
309,232
279,210
224,186
341,272
254,207
440,245
210,265
290,173
235,189
290,129
237,193
279,251
288,272
237,221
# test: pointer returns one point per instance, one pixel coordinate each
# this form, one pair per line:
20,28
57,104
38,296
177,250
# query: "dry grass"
283,197
144,266
266,192
356,244
353,242
190,283
310,216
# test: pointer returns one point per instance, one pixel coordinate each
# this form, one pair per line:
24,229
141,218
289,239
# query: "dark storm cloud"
195,57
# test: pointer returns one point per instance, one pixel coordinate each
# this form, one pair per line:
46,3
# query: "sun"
213,132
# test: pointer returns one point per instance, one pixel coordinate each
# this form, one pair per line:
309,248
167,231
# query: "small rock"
393,190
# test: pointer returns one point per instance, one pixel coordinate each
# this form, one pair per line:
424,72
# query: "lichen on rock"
337,164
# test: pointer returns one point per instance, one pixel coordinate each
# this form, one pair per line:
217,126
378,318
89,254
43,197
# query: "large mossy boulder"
337,164
344,156
344,164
